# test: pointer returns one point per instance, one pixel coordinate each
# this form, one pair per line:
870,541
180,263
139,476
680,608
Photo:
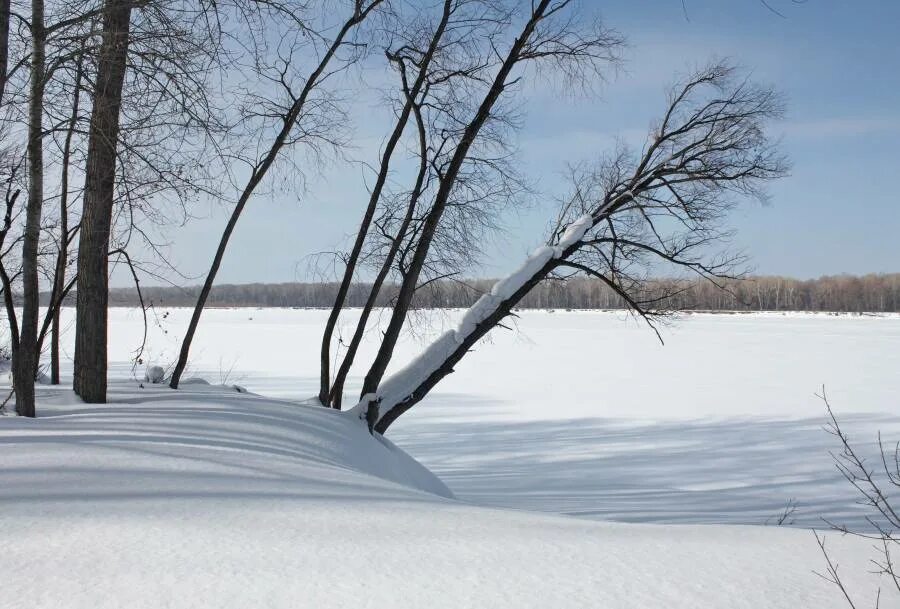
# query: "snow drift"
207,497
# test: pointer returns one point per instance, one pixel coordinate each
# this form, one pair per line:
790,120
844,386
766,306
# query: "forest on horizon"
873,293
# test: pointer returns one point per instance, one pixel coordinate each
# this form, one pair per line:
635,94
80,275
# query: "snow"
507,286
155,374
525,407
209,497
574,233
402,383
586,413
206,497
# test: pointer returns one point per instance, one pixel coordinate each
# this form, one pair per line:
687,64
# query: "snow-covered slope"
585,412
212,498
152,438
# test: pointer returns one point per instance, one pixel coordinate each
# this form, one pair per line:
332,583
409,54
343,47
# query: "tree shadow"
735,471
204,443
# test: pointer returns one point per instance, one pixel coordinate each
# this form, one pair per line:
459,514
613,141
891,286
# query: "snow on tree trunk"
404,388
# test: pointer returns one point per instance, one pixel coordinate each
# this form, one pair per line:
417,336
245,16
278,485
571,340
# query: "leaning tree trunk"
430,225
407,387
26,357
96,220
703,152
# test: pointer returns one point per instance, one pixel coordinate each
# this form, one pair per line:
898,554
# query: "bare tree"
662,206
4,44
302,109
547,35
11,162
10,195
93,277
440,60
60,286
424,58
336,391
46,57
151,114
876,488
167,140
26,356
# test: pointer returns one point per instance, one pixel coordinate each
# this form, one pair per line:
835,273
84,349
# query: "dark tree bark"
59,283
93,277
25,358
4,44
446,367
10,195
11,316
340,379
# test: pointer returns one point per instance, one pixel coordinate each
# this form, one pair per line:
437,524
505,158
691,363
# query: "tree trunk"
54,349
288,121
93,277
408,287
352,260
405,389
337,389
4,44
25,365
10,198
59,278
384,167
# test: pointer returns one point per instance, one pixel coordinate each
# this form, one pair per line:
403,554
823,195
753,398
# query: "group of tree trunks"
155,109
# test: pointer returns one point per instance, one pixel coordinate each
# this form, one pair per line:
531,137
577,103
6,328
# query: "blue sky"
838,64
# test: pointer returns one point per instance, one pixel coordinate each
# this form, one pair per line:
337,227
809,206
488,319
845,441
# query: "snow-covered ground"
209,497
587,413
212,498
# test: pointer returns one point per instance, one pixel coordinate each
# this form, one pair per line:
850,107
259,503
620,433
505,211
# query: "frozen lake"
586,413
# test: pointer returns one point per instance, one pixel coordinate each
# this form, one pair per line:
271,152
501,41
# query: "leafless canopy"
877,486
663,206
460,71
662,210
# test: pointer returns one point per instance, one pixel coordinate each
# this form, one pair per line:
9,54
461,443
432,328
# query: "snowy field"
212,498
587,413
217,499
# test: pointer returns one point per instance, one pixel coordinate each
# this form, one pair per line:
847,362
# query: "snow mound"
205,497
155,374
144,434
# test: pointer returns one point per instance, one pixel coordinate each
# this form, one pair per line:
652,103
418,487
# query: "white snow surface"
207,497
155,374
586,413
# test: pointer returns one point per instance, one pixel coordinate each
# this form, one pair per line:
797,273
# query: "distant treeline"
845,293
